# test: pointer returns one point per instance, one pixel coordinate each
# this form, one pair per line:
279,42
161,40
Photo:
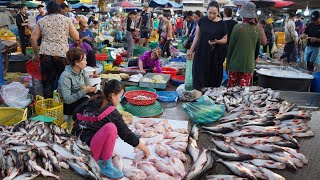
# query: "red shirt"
179,22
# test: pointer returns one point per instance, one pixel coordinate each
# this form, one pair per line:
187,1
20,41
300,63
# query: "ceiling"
301,4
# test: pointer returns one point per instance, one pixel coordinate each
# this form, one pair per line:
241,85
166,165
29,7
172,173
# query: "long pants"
118,36
166,48
311,55
51,69
179,32
24,42
290,52
239,79
130,43
269,44
103,142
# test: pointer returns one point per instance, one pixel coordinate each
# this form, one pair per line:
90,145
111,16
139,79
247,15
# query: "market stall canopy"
82,5
266,3
29,4
301,4
165,4
123,4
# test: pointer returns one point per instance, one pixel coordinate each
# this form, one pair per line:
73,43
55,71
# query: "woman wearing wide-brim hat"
244,47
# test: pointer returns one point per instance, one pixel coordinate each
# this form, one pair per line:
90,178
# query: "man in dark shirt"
230,23
145,25
312,33
91,18
22,23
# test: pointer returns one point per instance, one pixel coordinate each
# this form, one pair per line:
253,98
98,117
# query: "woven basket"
144,111
10,116
49,107
130,97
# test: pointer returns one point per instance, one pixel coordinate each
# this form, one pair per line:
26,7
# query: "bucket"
315,83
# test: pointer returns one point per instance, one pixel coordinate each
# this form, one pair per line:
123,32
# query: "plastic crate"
153,84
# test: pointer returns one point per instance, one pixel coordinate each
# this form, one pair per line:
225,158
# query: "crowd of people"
210,41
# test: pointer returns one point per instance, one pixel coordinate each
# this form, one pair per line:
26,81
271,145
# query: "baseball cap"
83,22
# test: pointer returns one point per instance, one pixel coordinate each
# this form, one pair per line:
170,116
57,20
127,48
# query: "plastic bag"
188,76
15,95
274,48
204,111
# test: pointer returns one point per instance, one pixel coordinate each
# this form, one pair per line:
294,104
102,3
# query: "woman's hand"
89,89
212,42
144,148
35,57
189,55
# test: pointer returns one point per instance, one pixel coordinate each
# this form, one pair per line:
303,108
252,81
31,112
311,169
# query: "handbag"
27,31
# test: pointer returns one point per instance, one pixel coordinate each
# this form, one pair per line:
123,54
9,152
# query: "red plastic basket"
168,70
33,68
102,57
177,80
132,94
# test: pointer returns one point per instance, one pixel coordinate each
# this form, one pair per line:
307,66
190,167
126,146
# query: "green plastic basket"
137,51
153,45
144,111
133,88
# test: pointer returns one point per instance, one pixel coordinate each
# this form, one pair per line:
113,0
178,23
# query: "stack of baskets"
142,103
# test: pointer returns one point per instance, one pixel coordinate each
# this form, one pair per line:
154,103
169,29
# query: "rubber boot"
108,170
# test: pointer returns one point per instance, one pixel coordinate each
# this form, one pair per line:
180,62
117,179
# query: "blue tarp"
82,5
165,4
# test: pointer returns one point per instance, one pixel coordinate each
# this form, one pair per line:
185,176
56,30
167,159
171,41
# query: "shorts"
145,34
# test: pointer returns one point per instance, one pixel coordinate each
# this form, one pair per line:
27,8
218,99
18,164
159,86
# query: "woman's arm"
74,34
34,41
223,40
65,86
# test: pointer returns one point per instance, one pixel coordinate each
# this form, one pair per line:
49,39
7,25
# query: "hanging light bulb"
259,12
237,13
306,12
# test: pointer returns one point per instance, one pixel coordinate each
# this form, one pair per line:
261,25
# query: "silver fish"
250,151
296,154
297,162
224,146
64,153
267,147
12,174
195,132
198,166
238,169
232,156
223,177
268,163
95,167
27,176
222,130
82,172
271,175
41,170
291,139
193,149
283,160
54,161
254,169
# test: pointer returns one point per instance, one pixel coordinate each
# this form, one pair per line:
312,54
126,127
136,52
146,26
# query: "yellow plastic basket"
50,107
10,116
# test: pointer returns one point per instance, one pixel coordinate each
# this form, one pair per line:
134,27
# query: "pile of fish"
257,134
168,147
31,148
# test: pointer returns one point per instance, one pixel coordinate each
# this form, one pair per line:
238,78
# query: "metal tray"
155,85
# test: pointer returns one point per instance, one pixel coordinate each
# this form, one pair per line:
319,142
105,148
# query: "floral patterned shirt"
54,30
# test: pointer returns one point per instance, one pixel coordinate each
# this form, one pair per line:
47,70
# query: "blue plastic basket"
167,96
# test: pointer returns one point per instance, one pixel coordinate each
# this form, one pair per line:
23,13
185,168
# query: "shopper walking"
312,33
210,36
166,35
230,23
269,32
53,47
291,36
23,28
145,25
130,30
244,47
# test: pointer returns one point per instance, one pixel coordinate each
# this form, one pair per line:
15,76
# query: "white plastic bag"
15,95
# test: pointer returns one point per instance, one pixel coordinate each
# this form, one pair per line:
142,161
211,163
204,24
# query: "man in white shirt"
290,49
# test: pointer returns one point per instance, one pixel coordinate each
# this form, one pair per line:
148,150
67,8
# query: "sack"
27,31
274,48
15,95
204,111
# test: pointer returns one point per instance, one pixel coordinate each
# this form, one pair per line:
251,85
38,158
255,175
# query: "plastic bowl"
177,80
168,70
167,96
102,57
132,94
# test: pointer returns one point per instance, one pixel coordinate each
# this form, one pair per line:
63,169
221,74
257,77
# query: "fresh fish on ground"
271,175
159,176
232,156
159,127
297,162
163,167
254,169
193,149
198,166
268,163
155,140
148,168
181,138
177,166
41,170
138,157
250,151
195,132
291,139
222,130
64,153
82,172
180,146
283,160
171,135
309,133
181,130
223,177
27,176
178,154
267,147
238,169
296,154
